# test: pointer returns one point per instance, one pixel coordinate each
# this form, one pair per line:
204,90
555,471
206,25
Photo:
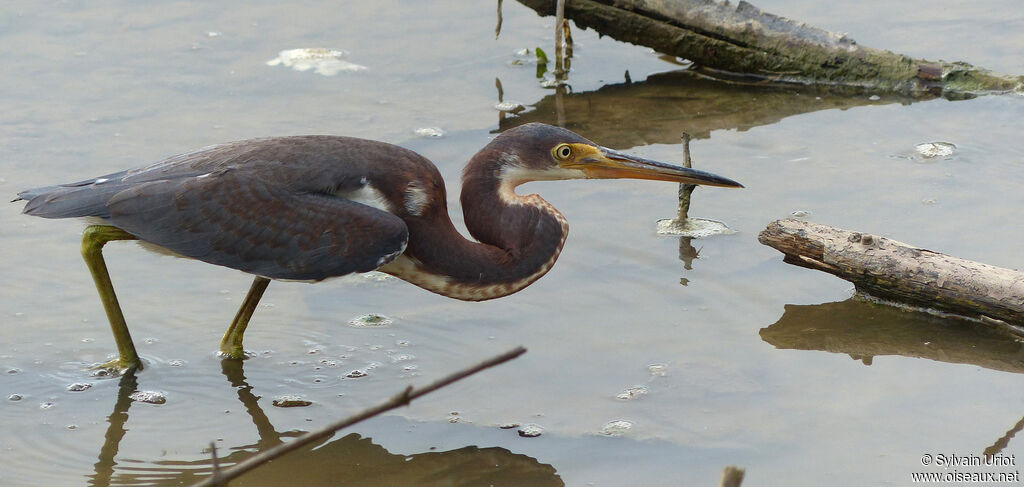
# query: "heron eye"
563,151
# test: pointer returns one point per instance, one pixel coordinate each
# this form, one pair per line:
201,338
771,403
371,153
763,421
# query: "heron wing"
258,226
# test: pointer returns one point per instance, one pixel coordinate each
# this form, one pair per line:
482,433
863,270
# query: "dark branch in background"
222,476
736,40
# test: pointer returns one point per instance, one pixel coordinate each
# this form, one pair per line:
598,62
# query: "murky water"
742,359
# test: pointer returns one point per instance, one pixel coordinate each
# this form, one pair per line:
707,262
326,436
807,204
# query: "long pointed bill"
610,164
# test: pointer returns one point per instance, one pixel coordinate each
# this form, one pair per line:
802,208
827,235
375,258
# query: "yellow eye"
563,151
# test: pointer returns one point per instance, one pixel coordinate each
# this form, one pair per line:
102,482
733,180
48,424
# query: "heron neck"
518,239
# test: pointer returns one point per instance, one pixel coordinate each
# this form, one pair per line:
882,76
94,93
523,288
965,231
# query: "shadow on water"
674,102
864,330
348,460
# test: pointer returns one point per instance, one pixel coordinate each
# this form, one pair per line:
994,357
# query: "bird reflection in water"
348,460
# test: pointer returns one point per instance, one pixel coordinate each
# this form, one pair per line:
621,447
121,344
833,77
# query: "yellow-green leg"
231,344
93,239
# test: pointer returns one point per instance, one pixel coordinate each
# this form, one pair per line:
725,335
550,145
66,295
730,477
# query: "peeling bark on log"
892,270
739,40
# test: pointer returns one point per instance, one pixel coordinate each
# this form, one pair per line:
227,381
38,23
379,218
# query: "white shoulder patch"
416,198
367,195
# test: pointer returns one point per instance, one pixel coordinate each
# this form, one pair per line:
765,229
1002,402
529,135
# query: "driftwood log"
891,270
740,41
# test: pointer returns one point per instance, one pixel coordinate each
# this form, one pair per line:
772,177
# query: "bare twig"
217,478
497,28
1005,440
559,17
567,32
401,399
731,477
685,190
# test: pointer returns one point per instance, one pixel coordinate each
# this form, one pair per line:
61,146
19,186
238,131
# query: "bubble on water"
402,357
932,150
657,370
509,107
632,393
508,426
618,427
150,397
46,405
79,386
429,132
530,430
371,320
355,374
103,372
13,370
800,213
176,363
378,277
327,62
72,427
291,401
15,397
693,227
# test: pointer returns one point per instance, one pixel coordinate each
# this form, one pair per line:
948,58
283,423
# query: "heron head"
536,151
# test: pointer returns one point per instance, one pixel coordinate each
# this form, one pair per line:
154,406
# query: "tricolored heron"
307,208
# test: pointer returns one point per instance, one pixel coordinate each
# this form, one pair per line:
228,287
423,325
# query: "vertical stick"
497,27
559,17
685,189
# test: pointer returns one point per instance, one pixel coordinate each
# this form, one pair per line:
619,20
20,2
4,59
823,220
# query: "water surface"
752,365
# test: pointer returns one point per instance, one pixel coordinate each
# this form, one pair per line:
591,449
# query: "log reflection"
664,105
863,330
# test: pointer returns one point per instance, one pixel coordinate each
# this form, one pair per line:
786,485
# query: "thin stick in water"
401,399
559,17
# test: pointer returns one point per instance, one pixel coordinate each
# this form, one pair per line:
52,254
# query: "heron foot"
231,344
234,353
115,368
